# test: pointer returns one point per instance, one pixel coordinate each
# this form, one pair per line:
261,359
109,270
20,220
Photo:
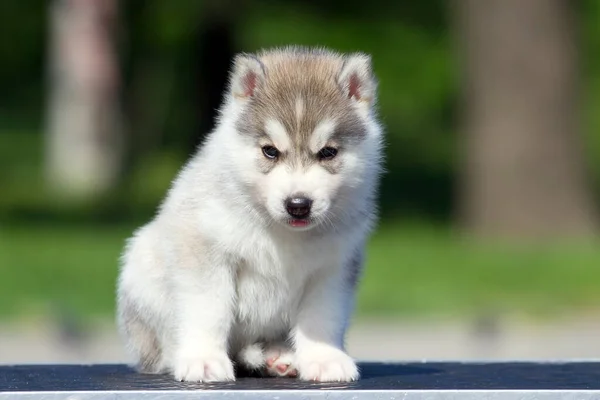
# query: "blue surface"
375,376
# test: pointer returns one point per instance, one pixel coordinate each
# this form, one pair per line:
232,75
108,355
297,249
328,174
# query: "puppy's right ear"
247,76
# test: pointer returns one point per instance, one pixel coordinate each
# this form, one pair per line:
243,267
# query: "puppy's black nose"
298,207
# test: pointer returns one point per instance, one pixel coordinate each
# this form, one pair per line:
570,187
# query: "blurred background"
488,242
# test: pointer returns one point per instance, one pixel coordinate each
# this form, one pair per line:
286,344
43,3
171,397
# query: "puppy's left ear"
247,76
357,80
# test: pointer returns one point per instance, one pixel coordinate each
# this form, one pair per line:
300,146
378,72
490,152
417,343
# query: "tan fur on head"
301,87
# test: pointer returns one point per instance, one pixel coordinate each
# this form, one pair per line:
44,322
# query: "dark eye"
327,153
270,152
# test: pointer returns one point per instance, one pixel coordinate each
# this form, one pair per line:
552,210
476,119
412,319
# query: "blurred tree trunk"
194,76
84,147
214,47
214,50
523,171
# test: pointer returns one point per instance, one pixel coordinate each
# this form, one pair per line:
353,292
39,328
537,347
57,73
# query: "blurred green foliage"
53,250
412,48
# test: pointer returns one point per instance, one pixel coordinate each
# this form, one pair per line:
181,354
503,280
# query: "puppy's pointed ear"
357,80
247,75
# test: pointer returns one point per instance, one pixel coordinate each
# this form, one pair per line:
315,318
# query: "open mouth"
299,223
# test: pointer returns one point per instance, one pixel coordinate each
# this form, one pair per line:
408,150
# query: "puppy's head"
309,136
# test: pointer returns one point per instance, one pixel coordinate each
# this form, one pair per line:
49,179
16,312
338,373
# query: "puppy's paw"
251,357
215,367
326,364
279,361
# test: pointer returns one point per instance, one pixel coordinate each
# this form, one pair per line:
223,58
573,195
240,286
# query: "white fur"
213,275
299,108
278,135
321,134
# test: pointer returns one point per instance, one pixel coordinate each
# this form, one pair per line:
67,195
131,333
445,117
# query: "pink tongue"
299,222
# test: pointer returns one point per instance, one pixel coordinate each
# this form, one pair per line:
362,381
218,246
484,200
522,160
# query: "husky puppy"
254,255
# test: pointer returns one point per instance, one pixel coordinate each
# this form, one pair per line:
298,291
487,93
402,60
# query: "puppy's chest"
272,280
267,298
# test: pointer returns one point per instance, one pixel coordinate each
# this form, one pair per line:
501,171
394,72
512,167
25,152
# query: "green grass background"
414,270
52,255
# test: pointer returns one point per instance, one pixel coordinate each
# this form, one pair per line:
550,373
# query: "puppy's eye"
270,152
327,153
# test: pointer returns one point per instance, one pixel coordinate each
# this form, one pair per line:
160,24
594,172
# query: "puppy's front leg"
320,329
204,293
